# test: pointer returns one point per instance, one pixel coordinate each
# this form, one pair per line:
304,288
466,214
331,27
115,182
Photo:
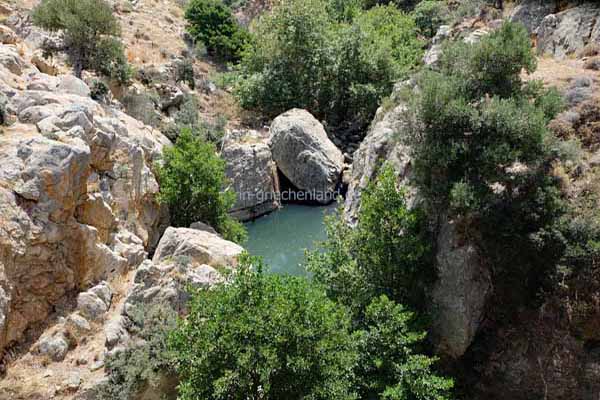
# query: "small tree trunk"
78,67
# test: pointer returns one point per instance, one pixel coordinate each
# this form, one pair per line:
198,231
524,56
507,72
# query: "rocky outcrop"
531,13
569,31
305,155
460,293
193,246
463,282
253,174
77,194
383,143
184,257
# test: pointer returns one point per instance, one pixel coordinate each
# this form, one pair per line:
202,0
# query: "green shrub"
405,5
212,23
145,364
264,336
192,183
387,253
390,366
99,90
430,15
110,60
184,72
89,31
494,65
305,57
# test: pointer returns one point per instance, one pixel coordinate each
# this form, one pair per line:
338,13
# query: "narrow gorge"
435,166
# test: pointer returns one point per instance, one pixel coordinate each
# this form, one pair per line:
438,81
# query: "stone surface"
531,12
253,173
77,326
198,247
7,36
115,331
77,192
382,143
569,31
72,85
45,65
460,293
55,346
201,226
305,155
95,302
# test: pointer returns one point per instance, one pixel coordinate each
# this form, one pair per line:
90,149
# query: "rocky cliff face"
77,190
539,355
463,284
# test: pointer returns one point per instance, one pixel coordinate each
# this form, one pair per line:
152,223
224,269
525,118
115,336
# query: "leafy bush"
99,90
386,253
430,15
90,32
339,71
212,23
192,183
146,364
264,336
389,366
405,5
476,119
494,65
184,72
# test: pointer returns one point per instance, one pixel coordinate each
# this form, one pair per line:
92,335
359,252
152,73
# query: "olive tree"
90,34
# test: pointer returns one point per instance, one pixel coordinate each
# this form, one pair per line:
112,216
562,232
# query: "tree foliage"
482,151
387,253
90,34
264,337
430,15
212,23
324,56
390,367
193,185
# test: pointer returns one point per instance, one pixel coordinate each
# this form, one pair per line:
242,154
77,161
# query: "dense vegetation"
482,155
90,35
272,337
211,22
264,337
143,366
308,55
358,264
482,151
192,183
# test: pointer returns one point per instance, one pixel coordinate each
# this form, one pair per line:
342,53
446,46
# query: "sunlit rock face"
77,192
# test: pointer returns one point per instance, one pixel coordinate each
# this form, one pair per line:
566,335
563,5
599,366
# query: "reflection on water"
282,237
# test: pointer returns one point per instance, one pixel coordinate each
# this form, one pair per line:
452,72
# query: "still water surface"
282,236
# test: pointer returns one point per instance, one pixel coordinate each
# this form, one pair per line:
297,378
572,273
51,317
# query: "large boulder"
569,31
460,293
196,247
253,174
305,155
531,12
